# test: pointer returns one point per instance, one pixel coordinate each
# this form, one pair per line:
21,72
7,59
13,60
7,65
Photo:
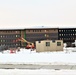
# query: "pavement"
36,66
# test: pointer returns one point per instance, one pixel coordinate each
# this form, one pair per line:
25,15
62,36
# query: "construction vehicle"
29,44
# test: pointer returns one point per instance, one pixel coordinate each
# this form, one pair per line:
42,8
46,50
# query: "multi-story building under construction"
8,37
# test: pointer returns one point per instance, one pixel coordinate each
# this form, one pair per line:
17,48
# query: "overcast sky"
38,12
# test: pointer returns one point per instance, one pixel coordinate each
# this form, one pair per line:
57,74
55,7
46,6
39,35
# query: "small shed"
49,45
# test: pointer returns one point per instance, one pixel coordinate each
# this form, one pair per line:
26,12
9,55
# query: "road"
36,66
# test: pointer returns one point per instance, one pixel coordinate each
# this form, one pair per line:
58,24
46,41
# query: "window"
58,43
16,44
16,36
47,43
33,30
60,34
39,41
59,30
60,38
1,40
15,31
45,30
53,41
40,30
45,35
62,30
28,30
1,36
54,29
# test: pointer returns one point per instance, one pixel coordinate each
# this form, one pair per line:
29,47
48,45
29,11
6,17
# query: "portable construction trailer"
49,45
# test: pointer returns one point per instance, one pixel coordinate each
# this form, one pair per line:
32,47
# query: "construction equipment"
29,44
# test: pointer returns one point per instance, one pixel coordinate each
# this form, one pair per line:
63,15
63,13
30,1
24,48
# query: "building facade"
39,34
68,35
9,38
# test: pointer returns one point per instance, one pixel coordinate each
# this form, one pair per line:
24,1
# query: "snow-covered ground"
32,57
36,72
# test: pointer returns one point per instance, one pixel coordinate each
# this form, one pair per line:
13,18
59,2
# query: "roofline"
67,28
26,27
37,28
42,28
11,29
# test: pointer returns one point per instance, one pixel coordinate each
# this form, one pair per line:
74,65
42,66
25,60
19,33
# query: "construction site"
27,38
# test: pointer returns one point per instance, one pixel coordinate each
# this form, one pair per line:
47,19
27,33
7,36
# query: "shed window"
58,43
39,41
47,43
53,41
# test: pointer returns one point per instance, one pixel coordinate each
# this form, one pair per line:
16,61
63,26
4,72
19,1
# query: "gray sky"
38,12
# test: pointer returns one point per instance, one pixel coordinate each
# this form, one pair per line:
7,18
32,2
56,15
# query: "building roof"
14,27
42,27
25,27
